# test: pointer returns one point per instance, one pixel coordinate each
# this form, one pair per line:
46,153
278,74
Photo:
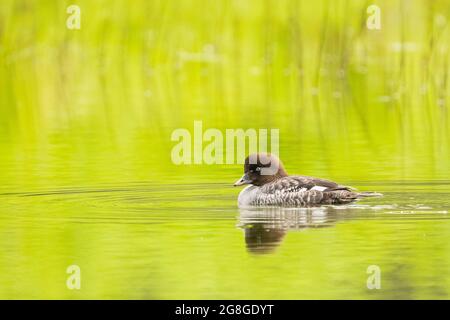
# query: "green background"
86,176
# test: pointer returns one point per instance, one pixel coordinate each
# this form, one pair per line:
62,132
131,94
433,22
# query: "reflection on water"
265,228
148,240
263,238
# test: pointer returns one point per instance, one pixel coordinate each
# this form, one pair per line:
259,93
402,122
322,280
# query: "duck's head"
261,168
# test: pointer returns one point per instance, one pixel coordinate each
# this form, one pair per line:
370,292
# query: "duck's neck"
264,179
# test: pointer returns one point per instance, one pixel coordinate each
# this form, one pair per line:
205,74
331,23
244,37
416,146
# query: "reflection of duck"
265,228
270,185
259,238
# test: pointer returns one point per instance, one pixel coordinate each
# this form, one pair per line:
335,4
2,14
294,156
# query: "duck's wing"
304,183
304,191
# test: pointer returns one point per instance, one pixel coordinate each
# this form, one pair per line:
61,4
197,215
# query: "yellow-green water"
86,176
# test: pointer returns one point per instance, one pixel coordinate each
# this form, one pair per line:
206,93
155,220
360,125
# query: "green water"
86,176
140,239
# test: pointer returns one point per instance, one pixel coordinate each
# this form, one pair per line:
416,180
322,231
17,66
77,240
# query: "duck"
270,185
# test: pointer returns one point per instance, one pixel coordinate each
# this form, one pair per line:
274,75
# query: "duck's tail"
368,194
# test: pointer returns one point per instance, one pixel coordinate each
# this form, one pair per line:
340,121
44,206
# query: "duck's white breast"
248,196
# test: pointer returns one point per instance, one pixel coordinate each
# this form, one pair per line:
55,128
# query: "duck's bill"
243,180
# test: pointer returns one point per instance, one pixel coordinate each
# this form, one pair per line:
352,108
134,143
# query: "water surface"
145,241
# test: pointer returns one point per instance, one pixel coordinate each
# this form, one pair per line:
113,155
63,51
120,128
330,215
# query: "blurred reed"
337,90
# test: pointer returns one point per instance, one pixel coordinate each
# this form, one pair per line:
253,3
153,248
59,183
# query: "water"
86,176
145,241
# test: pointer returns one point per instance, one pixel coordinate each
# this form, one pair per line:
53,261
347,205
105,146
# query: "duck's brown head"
261,168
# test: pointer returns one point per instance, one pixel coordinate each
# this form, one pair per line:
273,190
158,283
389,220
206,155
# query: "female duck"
270,185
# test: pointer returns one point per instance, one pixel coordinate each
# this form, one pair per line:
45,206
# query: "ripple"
151,202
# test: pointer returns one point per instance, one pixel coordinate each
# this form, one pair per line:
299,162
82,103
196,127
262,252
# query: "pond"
147,240
92,205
